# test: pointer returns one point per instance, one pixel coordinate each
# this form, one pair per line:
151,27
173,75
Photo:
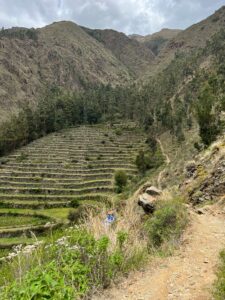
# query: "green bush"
3,161
120,179
166,224
118,131
75,214
74,203
71,267
149,160
42,283
219,286
23,156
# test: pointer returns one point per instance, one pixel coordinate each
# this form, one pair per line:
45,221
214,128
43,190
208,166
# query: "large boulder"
153,191
148,198
147,206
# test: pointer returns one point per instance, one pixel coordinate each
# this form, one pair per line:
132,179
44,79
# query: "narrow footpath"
188,274
160,176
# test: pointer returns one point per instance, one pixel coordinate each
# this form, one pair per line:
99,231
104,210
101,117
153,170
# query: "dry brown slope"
192,38
133,54
64,55
158,40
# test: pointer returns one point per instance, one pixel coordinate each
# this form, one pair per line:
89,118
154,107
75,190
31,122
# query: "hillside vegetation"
95,122
70,169
134,55
158,40
75,58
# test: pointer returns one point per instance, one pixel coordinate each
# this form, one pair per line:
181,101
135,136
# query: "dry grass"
128,220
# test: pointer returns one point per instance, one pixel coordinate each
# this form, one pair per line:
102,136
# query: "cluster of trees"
150,104
211,92
120,178
19,33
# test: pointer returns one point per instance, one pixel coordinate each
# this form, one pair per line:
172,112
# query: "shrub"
118,132
74,203
129,146
3,161
75,161
219,285
23,156
140,162
198,146
120,178
42,283
72,267
167,223
148,160
75,214
152,142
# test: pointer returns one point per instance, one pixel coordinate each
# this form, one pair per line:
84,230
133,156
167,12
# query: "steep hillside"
156,41
136,56
72,57
61,54
192,38
41,182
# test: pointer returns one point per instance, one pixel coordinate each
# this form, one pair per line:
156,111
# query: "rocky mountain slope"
133,54
67,55
192,38
61,54
157,40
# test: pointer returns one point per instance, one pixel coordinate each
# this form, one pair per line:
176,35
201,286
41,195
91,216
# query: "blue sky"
129,16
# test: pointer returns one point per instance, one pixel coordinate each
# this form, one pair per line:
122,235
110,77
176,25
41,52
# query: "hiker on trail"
110,218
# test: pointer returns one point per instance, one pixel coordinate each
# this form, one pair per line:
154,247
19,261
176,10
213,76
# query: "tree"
120,178
141,162
207,116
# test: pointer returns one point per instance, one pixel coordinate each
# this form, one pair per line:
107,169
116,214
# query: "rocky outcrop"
205,180
148,199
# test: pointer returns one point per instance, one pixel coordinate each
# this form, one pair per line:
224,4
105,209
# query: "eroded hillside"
60,54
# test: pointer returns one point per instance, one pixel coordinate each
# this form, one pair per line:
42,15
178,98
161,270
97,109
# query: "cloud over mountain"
129,16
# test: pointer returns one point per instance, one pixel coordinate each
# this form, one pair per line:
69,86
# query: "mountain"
62,54
133,54
73,57
156,41
194,37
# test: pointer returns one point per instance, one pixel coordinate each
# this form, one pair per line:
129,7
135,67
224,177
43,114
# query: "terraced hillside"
39,182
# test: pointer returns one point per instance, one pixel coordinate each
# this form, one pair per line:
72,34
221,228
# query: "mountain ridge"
67,55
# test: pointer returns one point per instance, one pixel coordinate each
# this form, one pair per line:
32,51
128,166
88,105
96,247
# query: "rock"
200,211
190,168
153,191
147,206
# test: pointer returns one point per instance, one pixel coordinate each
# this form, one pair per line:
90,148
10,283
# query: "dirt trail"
160,176
188,274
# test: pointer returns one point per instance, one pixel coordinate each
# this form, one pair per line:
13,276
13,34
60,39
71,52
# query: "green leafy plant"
75,214
219,285
23,156
120,179
75,203
166,224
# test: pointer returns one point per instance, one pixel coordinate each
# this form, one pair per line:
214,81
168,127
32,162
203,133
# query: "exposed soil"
160,176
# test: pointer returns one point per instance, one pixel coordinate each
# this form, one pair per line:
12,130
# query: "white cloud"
129,16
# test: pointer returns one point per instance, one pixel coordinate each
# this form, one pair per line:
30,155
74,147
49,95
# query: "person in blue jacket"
110,218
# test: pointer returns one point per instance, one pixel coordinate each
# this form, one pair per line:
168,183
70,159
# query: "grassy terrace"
39,181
